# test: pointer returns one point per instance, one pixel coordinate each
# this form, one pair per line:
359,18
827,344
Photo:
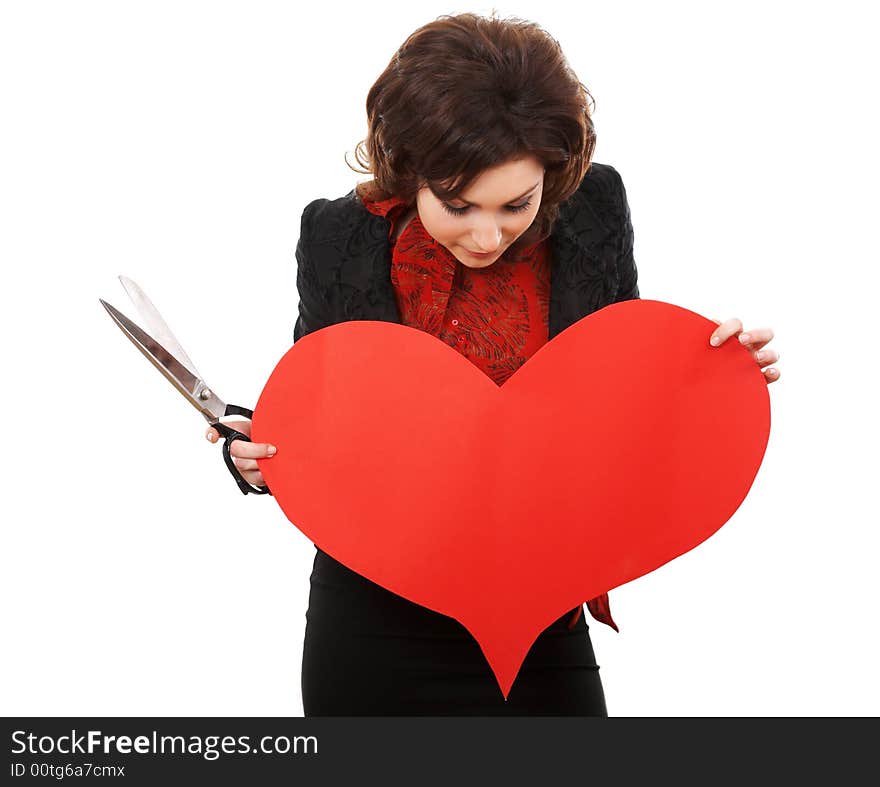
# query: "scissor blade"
190,385
155,324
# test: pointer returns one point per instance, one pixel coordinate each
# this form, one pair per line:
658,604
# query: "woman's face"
498,206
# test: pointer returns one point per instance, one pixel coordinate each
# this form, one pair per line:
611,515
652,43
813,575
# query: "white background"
178,142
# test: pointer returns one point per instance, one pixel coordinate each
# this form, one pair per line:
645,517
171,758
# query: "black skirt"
369,652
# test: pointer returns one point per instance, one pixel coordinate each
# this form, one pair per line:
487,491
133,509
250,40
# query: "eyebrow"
529,191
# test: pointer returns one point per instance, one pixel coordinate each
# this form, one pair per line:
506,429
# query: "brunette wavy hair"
465,93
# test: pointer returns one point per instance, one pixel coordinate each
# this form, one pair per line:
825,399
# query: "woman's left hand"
755,340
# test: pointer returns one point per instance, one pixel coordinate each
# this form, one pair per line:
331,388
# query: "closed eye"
461,211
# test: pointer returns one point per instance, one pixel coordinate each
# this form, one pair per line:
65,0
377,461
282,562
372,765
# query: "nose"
487,236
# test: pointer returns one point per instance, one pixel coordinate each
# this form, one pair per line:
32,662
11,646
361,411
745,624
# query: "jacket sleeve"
627,289
314,311
628,275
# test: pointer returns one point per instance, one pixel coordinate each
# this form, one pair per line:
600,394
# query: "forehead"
500,184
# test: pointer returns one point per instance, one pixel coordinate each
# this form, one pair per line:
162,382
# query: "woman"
488,225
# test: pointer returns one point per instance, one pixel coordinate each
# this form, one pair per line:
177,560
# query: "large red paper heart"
622,443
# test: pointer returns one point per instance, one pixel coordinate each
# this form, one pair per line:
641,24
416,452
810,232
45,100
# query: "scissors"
165,353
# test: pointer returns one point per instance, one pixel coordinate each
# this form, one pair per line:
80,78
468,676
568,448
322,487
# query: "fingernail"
744,337
759,356
271,450
715,341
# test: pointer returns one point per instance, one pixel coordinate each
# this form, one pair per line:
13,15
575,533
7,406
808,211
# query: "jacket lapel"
583,253
583,249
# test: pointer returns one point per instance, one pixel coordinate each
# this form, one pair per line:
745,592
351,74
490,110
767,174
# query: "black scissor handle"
231,434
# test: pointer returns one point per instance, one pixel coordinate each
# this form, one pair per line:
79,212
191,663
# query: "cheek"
522,222
440,225
449,227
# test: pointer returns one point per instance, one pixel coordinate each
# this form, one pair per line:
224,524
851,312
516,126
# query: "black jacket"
344,258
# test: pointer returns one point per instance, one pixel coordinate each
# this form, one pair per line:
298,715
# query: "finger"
245,464
246,450
253,477
771,375
756,338
240,426
724,331
766,357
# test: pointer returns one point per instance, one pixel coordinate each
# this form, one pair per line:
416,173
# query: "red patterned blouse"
497,317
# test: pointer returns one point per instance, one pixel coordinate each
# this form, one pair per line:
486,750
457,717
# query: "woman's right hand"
243,453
